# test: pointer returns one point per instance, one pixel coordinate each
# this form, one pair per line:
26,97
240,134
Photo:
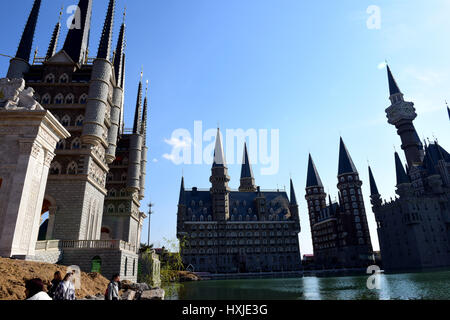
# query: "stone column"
51,222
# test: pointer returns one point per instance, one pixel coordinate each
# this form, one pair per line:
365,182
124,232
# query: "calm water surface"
434,285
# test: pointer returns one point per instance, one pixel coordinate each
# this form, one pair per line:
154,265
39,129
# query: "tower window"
65,121
72,169
70,98
64,78
83,98
46,99
50,78
59,98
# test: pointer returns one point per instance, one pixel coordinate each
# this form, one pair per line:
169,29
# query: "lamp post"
150,212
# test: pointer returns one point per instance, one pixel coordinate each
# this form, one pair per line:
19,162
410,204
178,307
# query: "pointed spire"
373,185
138,111
293,198
77,40
346,164
119,54
104,48
313,178
181,197
400,171
219,155
246,170
448,111
26,42
393,87
429,164
332,211
54,40
144,116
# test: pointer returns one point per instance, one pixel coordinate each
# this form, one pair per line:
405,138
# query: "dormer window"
83,98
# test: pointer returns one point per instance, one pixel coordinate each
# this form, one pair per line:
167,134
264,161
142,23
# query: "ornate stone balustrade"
85,244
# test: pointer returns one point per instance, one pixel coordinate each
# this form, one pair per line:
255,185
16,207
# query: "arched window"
59,98
61,145
112,193
50,78
83,98
202,218
124,177
46,98
111,208
70,98
123,193
209,218
134,266
72,168
55,168
96,264
64,78
126,266
76,144
122,208
65,121
79,121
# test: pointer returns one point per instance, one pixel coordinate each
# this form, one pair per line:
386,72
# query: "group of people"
64,288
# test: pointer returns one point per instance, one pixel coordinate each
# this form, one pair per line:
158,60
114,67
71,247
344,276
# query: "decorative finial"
60,13
146,87
142,72
124,14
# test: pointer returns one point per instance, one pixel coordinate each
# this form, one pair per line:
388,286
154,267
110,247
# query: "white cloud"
178,143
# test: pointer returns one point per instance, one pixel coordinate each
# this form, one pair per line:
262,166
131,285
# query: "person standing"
57,278
112,293
65,289
34,290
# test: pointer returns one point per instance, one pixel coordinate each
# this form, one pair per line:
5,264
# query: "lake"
433,285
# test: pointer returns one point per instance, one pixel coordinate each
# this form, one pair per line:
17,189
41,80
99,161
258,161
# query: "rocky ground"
14,273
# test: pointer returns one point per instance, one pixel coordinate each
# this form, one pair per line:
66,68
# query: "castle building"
414,228
96,179
340,232
238,231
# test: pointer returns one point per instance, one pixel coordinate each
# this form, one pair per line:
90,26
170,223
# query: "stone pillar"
28,137
51,222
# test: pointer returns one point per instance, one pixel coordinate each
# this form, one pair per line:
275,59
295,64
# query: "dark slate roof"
181,199
373,185
400,171
438,153
53,42
77,40
246,170
104,48
118,58
293,198
313,178
240,203
138,111
448,111
26,42
346,164
393,87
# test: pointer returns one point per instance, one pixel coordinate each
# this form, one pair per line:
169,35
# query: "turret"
134,167
144,146
375,196
219,183
402,177
315,195
247,178
181,208
97,105
118,97
401,114
54,40
20,65
77,40
104,47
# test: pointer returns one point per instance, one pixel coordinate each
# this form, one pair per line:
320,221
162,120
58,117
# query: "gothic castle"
245,230
414,229
340,232
97,176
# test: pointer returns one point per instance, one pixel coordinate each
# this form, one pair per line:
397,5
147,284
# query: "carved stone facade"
28,137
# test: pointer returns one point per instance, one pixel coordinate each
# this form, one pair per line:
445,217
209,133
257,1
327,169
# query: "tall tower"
247,178
20,64
293,207
315,196
354,220
401,114
220,192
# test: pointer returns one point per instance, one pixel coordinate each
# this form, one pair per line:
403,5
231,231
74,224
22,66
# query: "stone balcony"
85,244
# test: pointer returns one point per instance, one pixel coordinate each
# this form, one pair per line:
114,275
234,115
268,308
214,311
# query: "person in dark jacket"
57,278
112,293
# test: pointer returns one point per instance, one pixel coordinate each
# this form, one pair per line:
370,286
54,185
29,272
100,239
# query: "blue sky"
307,68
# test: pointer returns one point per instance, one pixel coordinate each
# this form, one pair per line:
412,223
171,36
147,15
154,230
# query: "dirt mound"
13,274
